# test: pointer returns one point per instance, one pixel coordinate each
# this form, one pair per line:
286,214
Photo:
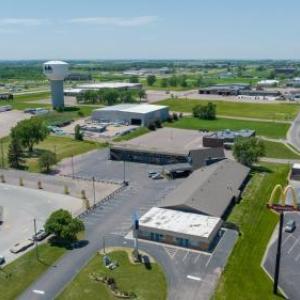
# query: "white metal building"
179,228
132,114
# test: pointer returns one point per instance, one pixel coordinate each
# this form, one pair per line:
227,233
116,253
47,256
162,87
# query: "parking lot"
289,278
190,273
21,205
9,119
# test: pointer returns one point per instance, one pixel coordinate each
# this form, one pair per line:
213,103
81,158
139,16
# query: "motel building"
179,228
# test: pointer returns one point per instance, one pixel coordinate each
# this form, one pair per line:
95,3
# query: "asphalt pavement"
289,277
191,275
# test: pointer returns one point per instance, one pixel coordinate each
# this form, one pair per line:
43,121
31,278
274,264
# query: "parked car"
21,246
151,173
40,235
290,226
2,260
157,176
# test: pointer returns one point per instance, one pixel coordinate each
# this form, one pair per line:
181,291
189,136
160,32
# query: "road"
293,135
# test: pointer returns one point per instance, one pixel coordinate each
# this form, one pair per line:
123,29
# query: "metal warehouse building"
179,228
133,114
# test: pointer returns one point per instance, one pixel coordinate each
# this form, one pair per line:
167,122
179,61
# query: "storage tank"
56,72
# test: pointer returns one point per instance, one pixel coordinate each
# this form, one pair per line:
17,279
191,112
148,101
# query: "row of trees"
24,136
110,96
175,81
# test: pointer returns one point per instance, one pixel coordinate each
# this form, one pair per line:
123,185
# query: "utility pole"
278,255
124,172
72,163
94,192
35,241
103,242
2,155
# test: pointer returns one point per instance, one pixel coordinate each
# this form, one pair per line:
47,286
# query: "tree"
63,225
173,81
46,160
142,94
126,96
15,152
151,79
164,82
110,96
205,112
134,79
248,150
30,132
78,135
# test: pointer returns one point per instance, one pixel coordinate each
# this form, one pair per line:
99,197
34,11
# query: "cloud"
22,21
115,21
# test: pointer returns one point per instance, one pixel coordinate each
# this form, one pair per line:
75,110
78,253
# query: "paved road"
293,135
112,220
289,278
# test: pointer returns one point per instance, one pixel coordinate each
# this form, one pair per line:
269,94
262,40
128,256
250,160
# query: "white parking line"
197,258
287,238
293,246
207,263
184,258
194,277
40,292
297,257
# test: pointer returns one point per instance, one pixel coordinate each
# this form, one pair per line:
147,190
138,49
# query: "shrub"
170,119
158,124
205,112
46,160
151,126
175,116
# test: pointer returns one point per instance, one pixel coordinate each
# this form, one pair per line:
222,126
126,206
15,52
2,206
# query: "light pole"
94,192
35,241
72,162
124,181
2,155
278,254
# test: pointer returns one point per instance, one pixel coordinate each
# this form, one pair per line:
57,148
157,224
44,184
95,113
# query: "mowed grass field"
21,273
274,111
243,277
267,129
147,284
63,147
279,150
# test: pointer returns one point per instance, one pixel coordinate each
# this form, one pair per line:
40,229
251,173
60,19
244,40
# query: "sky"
149,29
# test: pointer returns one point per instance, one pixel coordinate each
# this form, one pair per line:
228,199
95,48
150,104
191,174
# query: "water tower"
56,72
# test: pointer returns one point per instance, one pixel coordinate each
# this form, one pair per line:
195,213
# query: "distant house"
6,96
79,77
295,82
223,137
268,83
285,70
225,89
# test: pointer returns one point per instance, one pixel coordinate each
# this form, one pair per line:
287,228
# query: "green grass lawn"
280,111
21,273
133,134
279,150
268,129
147,284
243,277
63,147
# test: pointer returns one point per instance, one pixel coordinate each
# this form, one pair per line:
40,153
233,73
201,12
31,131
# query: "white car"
21,246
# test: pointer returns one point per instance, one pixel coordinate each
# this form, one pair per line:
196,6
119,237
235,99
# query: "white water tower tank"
56,72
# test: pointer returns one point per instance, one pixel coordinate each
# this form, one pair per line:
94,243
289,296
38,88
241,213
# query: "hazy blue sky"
104,29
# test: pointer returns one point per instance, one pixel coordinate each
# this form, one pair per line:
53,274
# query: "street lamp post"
35,241
278,255
94,192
